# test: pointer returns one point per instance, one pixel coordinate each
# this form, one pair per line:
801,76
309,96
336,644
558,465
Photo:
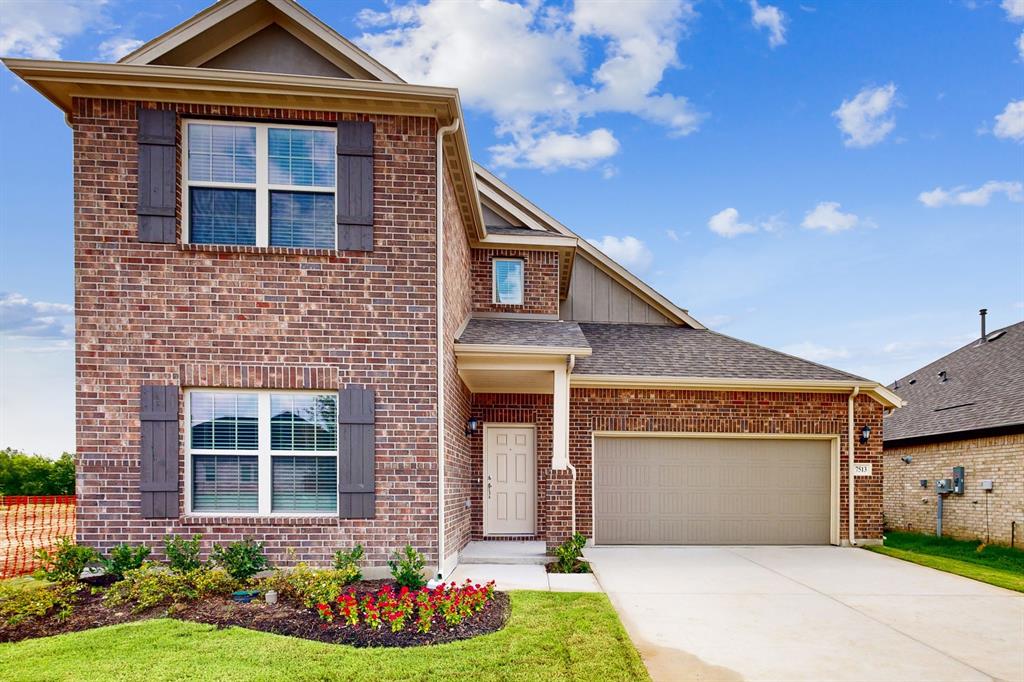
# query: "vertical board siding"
158,474
157,191
356,453
355,185
594,296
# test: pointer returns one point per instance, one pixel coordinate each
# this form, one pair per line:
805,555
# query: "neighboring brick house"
963,410
278,324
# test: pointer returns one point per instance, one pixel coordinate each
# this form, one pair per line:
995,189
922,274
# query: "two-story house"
305,315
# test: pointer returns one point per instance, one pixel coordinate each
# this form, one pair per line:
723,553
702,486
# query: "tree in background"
24,474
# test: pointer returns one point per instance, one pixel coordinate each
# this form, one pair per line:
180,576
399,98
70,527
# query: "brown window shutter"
157,176
356,488
158,480
355,185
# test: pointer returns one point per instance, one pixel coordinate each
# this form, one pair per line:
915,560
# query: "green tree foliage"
24,474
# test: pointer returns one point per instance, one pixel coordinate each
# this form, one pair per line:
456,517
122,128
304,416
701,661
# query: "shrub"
19,600
124,558
23,474
66,562
242,559
406,608
152,585
349,561
407,568
182,554
308,586
569,553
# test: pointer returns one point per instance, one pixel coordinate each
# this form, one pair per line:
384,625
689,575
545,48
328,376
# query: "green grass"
993,564
550,636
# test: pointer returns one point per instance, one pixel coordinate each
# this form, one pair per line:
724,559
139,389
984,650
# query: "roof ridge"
973,343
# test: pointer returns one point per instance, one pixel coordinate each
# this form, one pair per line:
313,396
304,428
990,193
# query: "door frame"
483,477
833,440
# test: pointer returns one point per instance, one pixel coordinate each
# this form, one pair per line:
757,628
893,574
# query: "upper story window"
508,281
262,452
259,184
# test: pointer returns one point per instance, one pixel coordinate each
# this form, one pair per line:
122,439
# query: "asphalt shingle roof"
984,389
656,350
550,333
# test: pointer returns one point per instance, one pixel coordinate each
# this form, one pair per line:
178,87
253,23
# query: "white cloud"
39,29
627,251
774,223
827,216
1014,9
866,119
556,150
771,18
113,49
22,318
961,196
1010,123
526,65
816,353
726,223
671,234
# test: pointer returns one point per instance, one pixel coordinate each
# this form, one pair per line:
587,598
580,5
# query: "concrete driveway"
808,613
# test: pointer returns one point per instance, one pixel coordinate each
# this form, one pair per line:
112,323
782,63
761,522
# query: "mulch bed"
283,618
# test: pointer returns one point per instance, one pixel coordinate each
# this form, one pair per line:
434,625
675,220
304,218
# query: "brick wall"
458,304
247,317
644,410
976,514
540,280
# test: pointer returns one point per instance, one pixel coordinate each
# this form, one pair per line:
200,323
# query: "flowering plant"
448,602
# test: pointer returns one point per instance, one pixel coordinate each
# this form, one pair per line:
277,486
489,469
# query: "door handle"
488,487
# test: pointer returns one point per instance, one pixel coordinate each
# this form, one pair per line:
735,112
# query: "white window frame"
263,453
262,186
494,280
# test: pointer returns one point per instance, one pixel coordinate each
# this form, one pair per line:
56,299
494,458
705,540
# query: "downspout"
568,463
849,466
439,267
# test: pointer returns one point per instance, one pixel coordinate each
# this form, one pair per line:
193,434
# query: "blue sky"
840,180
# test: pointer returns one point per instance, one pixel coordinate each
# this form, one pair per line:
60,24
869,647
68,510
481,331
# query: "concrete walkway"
525,577
808,613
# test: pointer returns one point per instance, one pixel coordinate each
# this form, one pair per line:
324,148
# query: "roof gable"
228,25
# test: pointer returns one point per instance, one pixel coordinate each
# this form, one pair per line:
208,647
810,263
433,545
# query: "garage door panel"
653,490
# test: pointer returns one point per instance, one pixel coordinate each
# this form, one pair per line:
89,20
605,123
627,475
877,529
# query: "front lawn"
993,564
549,636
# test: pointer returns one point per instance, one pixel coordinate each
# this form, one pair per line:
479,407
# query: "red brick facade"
250,317
540,281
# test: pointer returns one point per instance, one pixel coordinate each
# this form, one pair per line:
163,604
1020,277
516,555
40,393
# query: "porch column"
560,427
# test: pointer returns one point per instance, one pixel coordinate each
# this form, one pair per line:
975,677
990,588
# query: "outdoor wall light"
907,459
865,434
472,425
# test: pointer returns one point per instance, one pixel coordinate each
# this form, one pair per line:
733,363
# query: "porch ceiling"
508,381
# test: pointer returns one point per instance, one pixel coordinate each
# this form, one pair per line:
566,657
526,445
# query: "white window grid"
263,453
263,186
494,281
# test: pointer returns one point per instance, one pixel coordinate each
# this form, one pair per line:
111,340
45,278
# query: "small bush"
152,585
407,568
569,553
349,561
242,559
182,554
310,587
66,562
19,601
124,558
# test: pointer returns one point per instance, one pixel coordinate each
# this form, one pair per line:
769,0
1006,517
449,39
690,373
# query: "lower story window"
262,452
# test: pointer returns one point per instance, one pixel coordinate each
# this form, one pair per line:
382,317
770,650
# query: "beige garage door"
711,491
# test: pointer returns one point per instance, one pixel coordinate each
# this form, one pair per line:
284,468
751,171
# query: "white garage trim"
832,439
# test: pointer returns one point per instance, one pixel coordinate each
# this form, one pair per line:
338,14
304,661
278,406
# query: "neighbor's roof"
659,350
983,389
533,333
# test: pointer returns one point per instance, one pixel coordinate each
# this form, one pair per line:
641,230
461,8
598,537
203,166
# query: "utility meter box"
958,480
986,484
943,485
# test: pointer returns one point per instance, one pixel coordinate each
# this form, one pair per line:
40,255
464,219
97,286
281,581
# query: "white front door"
510,480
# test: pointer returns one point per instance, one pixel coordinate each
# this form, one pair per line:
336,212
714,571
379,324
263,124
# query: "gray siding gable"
594,296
